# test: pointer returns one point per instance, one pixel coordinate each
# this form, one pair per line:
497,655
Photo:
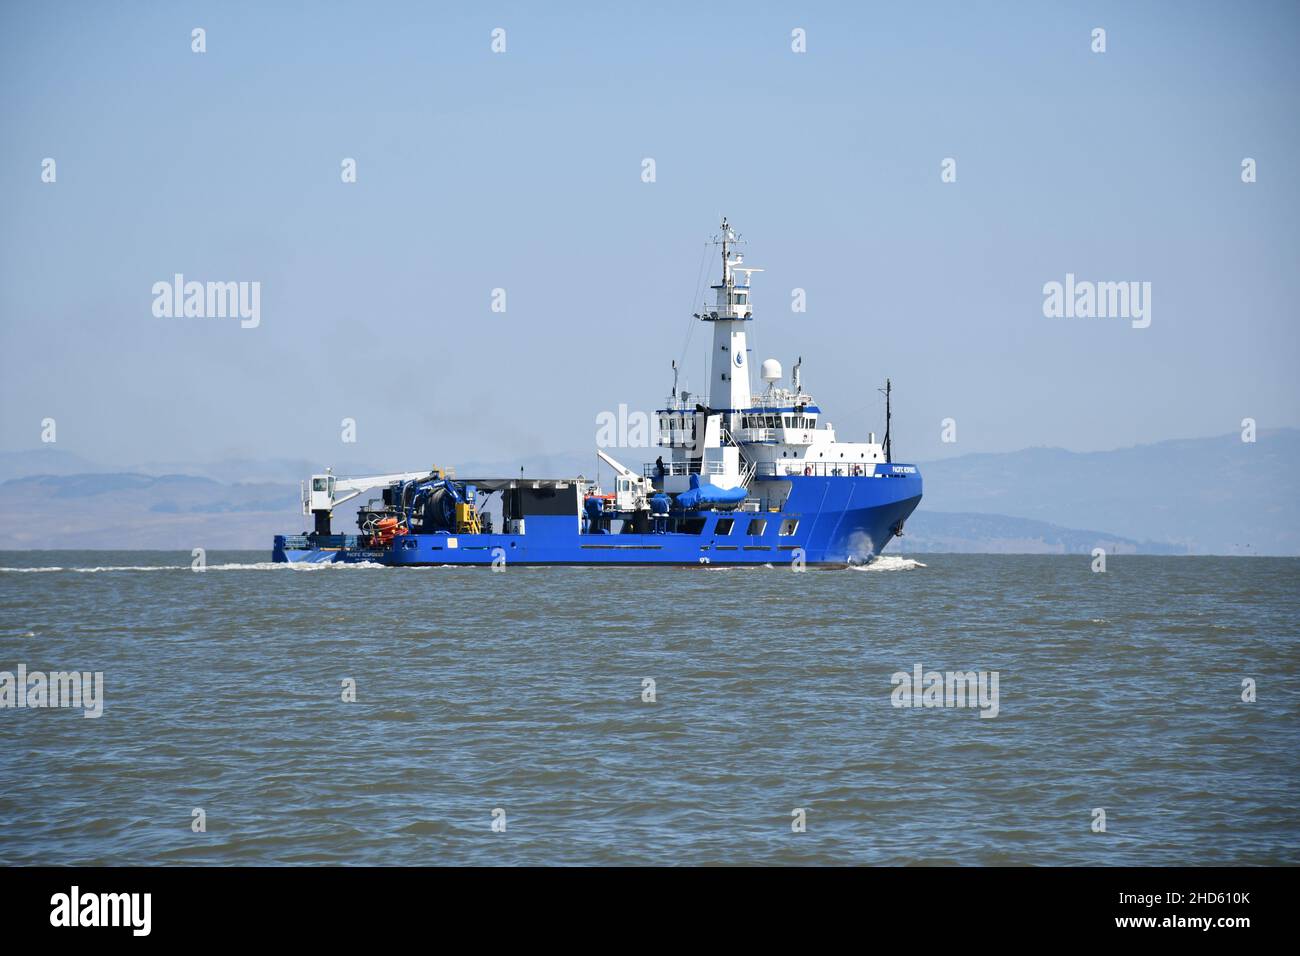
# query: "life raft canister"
386,529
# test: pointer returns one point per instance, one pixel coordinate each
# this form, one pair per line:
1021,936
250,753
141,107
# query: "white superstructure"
738,434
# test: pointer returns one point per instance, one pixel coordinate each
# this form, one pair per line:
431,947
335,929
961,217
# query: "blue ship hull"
823,521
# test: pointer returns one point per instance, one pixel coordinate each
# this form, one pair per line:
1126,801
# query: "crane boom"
617,465
327,492
357,485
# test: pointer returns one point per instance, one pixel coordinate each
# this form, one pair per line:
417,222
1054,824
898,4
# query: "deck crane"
327,491
630,489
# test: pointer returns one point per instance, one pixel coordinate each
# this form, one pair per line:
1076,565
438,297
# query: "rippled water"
523,691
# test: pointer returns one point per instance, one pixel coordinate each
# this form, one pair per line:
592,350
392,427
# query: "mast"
889,447
726,272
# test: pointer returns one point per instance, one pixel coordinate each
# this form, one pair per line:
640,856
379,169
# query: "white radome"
771,370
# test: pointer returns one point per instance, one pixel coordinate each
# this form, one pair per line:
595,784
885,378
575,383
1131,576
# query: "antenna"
727,239
674,379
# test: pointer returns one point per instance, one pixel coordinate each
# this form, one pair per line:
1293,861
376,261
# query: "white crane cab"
321,495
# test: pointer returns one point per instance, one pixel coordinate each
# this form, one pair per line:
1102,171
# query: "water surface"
523,691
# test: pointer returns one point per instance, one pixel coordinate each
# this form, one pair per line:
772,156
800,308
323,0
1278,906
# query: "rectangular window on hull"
724,526
788,527
757,526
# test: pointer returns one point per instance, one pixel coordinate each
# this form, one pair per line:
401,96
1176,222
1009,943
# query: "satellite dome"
771,370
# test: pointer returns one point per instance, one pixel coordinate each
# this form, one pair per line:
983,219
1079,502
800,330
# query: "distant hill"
142,511
968,533
46,460
1206,495
51,460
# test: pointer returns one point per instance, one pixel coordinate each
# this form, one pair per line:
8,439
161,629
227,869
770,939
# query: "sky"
522,170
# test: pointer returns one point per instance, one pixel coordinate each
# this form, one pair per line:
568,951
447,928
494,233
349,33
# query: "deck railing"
651,470
302,542
823,469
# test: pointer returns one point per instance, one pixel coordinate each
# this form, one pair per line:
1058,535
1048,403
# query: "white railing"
651,470
682,404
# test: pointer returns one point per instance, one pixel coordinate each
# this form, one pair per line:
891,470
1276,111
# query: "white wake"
254,566
889,562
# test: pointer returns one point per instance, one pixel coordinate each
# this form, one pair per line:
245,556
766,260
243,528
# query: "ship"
742,478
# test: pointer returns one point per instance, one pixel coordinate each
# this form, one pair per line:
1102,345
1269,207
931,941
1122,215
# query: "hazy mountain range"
1204,495
1188,496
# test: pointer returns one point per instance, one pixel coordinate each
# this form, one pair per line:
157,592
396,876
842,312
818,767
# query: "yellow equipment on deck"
467,520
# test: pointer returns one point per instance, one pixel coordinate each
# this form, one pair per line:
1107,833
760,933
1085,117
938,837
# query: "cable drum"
439,510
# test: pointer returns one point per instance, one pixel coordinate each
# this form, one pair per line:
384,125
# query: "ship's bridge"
761,423
777,424
780,415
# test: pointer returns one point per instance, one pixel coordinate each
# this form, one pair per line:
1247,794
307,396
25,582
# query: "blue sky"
522,171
